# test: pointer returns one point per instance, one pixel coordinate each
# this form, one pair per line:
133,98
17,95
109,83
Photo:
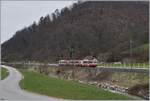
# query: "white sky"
15,15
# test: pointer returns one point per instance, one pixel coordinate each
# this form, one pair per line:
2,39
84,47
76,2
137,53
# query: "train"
79,63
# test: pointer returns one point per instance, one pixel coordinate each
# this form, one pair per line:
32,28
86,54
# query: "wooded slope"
89,28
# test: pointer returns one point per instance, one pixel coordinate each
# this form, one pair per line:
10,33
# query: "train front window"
85,62
90,62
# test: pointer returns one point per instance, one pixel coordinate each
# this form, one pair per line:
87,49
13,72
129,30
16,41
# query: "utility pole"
131,51
71,52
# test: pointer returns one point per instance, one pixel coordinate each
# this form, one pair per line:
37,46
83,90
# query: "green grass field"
59,88
4,73
140,49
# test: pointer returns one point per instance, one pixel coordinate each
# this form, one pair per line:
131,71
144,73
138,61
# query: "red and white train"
79,63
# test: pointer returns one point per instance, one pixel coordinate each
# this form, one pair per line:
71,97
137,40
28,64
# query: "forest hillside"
101,29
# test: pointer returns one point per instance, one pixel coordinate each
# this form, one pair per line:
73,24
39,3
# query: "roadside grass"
4,73
59,88
127,65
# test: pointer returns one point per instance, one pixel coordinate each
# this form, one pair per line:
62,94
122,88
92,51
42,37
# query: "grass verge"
59,88
4,73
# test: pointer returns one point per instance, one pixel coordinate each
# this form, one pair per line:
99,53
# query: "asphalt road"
10,89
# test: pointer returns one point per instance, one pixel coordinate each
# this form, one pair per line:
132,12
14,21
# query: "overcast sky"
15,15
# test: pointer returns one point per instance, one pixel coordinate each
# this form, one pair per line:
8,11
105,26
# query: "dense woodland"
93,28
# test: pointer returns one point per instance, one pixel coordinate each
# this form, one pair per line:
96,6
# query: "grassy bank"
4,73
43,84
141,49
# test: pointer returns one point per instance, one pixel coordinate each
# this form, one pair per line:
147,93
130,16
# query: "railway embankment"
122,82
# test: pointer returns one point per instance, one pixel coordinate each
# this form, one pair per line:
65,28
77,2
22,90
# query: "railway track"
132,70
98,68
